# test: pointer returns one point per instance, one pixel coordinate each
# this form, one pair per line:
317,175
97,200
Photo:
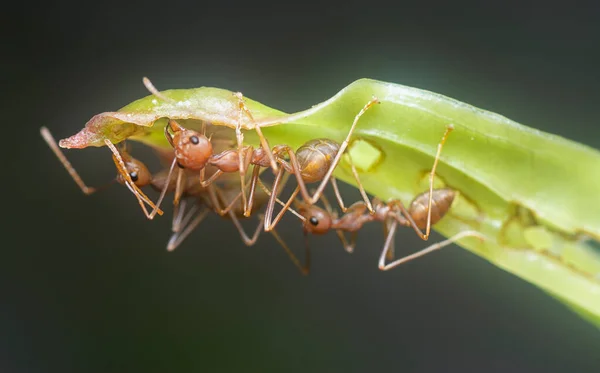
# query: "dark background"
88,286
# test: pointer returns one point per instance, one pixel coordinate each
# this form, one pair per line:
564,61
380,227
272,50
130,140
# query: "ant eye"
194,140
134,176
314,221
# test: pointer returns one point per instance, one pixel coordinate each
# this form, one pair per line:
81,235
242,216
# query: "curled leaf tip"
78,141
113,126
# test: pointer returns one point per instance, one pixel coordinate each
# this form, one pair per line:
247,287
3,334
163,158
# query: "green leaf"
533,194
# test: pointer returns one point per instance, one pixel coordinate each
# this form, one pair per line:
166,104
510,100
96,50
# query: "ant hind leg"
431,248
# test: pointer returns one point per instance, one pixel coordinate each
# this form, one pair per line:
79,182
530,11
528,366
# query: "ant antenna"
150,87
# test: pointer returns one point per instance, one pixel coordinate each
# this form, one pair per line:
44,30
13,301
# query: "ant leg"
289,208
178,217
425,251
65,162
270,223
404,218
211,179
312,200
239,135
163,192
213,191
361,189
348,246
304,269
338,195
449,129
216,198
179,186
255,174
327,204
392,249
189,215
247,240
389,238
263,140
141,197
177,238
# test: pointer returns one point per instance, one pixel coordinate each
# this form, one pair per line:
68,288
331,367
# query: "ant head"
315,158
138,172
317,220
192,149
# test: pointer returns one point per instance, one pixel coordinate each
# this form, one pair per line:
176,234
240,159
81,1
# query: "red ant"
418,216
131,172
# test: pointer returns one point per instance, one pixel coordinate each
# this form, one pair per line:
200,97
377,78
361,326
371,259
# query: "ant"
131,172
418,216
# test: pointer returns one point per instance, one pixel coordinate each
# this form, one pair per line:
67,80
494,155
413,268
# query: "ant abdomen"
315,158
192,149
441,202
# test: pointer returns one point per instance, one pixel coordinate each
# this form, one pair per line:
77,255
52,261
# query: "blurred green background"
87,283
